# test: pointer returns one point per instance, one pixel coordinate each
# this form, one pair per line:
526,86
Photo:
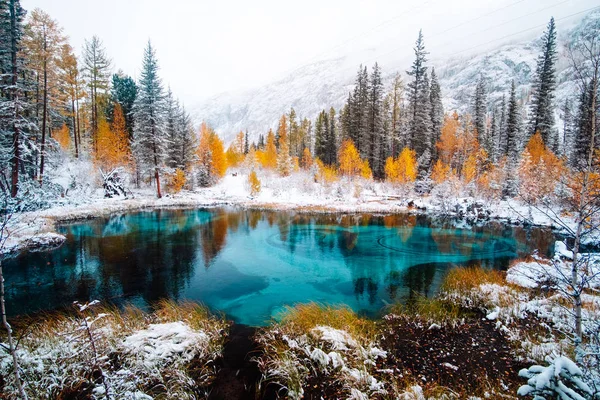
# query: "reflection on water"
249,264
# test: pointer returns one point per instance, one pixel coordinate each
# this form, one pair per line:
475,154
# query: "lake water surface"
250,264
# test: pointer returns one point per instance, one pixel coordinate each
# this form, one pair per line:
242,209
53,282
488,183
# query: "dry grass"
304,317
57,356
463,280
432,310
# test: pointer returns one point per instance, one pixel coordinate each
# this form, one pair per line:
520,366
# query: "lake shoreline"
33,230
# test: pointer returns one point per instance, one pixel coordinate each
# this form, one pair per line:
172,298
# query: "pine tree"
513,125
246,143
568,136
124,92
415,86
180,134
423,127
372,138
284,161
479,113
14,104
357,109
585,123
96,68
149,135
542,108
437,112
502,140
331,147
396,97
493,136
71,86
419,105
294,134
43,42
322,136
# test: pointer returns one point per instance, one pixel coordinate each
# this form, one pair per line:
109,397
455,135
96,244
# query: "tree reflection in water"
250,263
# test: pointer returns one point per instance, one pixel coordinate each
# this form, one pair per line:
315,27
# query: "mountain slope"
325,84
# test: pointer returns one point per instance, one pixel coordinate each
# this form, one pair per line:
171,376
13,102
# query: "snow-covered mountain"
325,84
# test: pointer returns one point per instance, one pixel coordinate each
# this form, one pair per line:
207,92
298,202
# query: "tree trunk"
77,114
74,127
15,98
44,116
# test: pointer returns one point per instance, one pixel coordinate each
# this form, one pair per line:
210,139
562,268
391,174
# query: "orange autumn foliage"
539,170
349,159
176,181
210,152
63,137
440,172
306,161
113,142
403,169
269,155
457,142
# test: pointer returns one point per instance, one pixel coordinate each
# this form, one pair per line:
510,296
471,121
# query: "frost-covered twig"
6,217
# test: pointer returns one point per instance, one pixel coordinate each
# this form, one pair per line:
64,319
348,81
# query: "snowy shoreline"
37,229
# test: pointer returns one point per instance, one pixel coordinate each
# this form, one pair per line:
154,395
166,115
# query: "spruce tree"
373,134
246,143
284,161
585,125
15,122
513,126
358,109
542,108
124,92
96,68
331,146
419,105
437,112
479,113
396,107
568,136
149,114
293,132
502,140
322,136
180,135
424,128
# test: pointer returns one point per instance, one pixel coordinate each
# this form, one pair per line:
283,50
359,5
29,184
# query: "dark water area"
251,264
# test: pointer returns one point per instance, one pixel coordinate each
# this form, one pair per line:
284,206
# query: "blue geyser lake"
251,264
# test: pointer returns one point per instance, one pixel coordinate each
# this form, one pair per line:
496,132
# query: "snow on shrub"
301,346
562,379
169,354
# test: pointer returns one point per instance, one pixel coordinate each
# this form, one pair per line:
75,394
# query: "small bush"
176,181
254,183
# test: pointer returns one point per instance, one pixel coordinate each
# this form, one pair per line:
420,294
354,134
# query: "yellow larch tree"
284,161
219,161
441,172
212,161
539,170
121,146
403,169
63,137
269,160
349,159
306,161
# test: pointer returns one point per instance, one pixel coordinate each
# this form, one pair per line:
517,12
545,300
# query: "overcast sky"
209,47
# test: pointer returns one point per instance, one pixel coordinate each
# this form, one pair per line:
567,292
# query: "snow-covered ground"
299,191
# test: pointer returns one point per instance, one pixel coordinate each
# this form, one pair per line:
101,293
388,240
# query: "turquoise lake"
251,264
